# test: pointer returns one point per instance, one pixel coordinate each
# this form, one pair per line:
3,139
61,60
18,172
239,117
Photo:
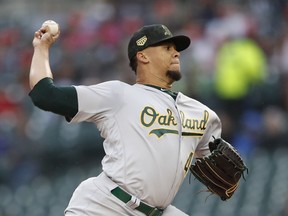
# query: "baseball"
53,27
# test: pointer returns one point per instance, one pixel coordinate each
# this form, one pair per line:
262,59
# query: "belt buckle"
134,202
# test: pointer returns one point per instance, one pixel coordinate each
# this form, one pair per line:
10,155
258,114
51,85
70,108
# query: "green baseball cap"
152,35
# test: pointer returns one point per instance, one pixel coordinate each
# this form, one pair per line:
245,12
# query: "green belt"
144,208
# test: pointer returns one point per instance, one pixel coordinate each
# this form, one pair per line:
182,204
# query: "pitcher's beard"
174,75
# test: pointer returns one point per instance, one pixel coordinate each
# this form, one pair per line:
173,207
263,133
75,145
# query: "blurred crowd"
237,64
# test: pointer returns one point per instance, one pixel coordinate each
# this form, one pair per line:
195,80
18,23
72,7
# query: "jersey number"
188,163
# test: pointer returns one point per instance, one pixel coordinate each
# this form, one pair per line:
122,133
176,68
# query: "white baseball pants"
93,198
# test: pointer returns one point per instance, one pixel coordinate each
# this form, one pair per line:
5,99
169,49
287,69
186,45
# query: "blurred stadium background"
237,64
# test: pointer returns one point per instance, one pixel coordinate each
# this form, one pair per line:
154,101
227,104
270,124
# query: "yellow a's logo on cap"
166,31
141,41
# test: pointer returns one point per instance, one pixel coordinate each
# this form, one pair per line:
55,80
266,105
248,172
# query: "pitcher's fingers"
38,34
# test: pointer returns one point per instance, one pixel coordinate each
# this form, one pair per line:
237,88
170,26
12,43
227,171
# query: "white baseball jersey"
150,138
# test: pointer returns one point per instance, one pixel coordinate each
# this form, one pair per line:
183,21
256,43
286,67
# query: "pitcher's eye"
169,47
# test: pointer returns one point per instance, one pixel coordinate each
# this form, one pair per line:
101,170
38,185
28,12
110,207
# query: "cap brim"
181,42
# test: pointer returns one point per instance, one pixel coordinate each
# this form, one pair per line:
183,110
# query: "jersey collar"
173,94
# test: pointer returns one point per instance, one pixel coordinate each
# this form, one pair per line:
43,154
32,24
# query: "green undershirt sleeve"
60,100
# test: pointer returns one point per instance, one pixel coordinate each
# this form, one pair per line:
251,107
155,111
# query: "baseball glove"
221,171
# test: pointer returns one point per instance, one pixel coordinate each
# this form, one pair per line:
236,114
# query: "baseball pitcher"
151,133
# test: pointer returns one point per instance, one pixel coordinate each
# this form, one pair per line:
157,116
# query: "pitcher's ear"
142,57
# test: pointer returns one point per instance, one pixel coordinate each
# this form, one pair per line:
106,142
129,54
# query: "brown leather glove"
221,171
